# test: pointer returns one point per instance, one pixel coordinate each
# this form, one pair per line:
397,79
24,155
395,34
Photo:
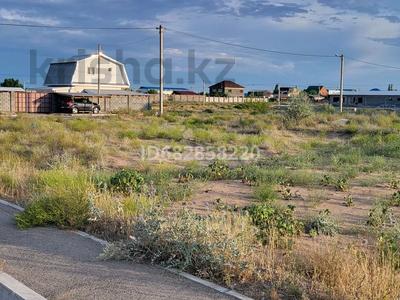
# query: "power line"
373,64
251,48
75,27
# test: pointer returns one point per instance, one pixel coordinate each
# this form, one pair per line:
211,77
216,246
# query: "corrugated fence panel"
5,102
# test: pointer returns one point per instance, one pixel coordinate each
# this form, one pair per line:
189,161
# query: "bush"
321,224
218,170
270,218
214,247
381,214
127,181
299,109
389,244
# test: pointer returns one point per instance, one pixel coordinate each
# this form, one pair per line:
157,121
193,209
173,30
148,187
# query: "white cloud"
21,17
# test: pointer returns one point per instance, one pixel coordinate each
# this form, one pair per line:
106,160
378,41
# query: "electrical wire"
249,47
372,63
75,27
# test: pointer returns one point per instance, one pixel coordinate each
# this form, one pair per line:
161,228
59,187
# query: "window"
109,69
336,99
360,100
91,70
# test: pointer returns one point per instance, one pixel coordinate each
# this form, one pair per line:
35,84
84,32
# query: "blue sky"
367,30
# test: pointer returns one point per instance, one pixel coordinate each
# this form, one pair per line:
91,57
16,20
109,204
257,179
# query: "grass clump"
265,193
61,198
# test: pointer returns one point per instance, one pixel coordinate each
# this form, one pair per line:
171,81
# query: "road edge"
12,289
198,280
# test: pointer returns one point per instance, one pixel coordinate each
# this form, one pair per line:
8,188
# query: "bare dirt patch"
209,195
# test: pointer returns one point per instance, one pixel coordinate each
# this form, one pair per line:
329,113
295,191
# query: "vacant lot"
294,203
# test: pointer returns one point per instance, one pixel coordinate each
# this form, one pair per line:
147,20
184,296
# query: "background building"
227,88
81,73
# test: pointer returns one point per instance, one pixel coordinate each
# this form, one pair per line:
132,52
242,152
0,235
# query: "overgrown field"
312,213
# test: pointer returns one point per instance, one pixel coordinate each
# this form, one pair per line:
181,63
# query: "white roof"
11,89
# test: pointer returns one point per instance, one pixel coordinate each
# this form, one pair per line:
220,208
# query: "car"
79,105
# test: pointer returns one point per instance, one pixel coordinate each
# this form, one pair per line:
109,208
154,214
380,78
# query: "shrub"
395,199
299,109
322,223
270,218
389,244
218,170
215,247
381,214
127,181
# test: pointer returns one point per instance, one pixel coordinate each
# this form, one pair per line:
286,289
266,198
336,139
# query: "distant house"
317,90
260,93
166,90
81,72
354,98
184,93
285,92
227,88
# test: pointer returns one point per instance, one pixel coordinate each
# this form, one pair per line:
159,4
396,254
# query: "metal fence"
39,102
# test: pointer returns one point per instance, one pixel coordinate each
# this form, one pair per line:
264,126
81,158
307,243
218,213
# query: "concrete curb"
216,287
12,289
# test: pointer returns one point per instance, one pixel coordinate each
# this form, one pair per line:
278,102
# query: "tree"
11,82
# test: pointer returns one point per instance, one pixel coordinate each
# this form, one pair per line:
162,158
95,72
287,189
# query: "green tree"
11,82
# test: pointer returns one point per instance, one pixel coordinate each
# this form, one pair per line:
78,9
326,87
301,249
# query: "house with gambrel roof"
81,73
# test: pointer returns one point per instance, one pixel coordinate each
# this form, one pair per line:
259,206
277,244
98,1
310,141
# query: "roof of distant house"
156,88
228,84
364,93
11,89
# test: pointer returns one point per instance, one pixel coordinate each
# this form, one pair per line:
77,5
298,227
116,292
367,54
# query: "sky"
364,30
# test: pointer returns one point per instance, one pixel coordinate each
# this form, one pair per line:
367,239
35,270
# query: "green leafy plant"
127,181
348,201
218,170
322,223
395,199
269,218
326,180
342,184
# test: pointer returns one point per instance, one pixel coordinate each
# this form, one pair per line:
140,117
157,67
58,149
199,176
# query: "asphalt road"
63,265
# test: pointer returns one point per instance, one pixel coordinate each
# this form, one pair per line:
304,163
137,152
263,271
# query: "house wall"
234,92
110,72
369,100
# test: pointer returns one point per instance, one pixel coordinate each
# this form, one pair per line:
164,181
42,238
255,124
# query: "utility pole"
341,81
98,69
204,91
161,32
279,94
